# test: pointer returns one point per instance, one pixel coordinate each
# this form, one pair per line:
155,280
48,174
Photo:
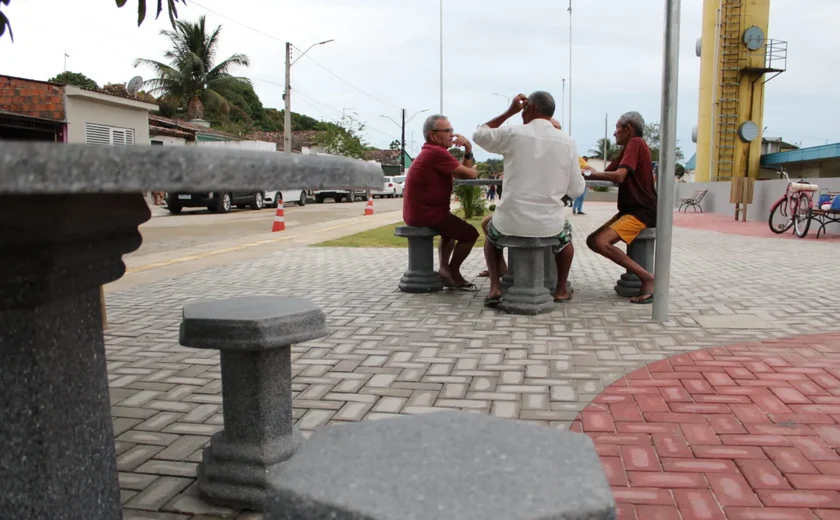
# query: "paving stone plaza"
392,353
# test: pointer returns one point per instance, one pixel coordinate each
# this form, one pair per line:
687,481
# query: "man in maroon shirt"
428,189
633,172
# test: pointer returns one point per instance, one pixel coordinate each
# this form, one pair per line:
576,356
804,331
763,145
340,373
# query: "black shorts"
456,229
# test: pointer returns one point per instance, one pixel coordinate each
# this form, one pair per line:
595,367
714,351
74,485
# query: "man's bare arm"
616,177
465,172
514,108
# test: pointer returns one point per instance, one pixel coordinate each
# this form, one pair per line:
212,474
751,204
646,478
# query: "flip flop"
645,301
467,287
492,301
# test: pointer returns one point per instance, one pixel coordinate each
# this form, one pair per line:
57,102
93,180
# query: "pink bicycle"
793,209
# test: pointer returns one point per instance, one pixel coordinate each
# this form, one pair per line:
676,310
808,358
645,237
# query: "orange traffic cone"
369,207
279,218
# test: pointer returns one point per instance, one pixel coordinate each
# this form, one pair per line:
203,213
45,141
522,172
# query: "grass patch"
384,236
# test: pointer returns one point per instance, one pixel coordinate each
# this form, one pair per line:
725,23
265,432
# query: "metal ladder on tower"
731,63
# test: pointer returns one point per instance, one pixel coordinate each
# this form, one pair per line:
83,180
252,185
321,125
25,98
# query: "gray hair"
543,103
634,120
429,124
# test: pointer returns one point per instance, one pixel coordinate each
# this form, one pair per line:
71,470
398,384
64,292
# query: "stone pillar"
641,250
254,335
58,460
421,276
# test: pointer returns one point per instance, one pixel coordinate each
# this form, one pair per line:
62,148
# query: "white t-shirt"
541,167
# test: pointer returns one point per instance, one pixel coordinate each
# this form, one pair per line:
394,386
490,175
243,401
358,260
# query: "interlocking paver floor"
745,431
392,353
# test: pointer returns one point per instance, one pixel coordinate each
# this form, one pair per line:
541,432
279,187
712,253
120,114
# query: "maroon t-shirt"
637,194
428,186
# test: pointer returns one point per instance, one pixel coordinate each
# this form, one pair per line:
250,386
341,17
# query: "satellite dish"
133,86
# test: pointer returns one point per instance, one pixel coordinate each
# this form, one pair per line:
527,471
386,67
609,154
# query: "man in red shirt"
428,189
633,172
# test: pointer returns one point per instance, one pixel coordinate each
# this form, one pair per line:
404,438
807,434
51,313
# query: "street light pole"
569,129
563,104
287,95
441,57
402,129
668,159
507,98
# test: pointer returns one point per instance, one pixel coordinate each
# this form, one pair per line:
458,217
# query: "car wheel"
302,199
240,206
319,199
224,203
394,195
338,198
175,210
258,203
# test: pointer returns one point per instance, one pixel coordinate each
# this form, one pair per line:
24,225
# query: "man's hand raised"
460,140
518,104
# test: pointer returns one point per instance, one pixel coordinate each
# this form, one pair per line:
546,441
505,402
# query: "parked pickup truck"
339,195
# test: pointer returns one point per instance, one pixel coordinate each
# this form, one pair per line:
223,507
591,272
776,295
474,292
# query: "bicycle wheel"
780,217
801,215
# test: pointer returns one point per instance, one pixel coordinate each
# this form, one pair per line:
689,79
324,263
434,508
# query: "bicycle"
794,207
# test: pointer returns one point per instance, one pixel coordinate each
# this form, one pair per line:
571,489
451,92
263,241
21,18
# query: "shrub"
471,200
492,207
602,189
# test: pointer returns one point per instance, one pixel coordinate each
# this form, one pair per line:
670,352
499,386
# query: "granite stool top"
251,323
443,466
415,231
647,234
527,242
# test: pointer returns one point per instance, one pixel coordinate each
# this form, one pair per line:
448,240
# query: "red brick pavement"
728,224
742,432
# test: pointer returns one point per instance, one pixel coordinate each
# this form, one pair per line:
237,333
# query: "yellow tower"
735,58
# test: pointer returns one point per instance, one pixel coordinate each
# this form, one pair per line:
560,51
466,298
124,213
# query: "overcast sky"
386,54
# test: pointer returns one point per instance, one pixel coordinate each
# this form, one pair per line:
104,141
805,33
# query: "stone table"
67,215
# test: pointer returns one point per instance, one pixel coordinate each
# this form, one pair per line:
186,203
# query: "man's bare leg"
447,246
491,254
564,266
502,266
603,242
461,252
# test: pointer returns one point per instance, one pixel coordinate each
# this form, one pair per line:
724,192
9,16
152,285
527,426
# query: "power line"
371,96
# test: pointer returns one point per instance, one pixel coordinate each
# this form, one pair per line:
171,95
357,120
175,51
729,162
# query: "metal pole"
563,104
667,158
569,130
441,57
402,144
606,139
287,119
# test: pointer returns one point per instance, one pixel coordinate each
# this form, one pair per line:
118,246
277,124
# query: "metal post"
667,158
606,139
569,130
287,119
402,146
563,104
441,57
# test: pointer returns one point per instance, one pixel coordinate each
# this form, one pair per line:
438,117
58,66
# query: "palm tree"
192,77
612,149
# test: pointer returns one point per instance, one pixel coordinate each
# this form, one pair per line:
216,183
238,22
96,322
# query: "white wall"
92,107
765,194
169,141
260,146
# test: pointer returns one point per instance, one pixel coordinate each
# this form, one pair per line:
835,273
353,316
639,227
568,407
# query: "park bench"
641,250
693,201
420,277
831,214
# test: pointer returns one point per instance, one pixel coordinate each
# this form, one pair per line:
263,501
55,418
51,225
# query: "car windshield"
400,179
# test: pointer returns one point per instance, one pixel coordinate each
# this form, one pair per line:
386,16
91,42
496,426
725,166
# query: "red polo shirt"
428,186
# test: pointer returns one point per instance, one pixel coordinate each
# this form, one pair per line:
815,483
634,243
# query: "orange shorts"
627,227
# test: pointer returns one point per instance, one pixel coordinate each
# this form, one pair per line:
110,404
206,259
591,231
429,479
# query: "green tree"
457,153
652,138
192,76
395,145
74,78
612,149
344,138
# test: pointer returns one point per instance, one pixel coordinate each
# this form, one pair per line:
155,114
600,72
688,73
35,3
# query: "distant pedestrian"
491,193
577,205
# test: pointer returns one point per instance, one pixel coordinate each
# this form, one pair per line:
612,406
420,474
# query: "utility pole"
65,59
287,116
569,131
402,144
563,104
606,139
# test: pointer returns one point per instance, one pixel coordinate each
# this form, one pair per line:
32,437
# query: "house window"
110,135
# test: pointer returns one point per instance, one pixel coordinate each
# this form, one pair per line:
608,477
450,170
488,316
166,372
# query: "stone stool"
550,276
528,293
443,466
254,335
421,276
641,251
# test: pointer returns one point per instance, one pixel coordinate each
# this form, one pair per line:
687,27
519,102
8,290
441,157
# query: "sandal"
467,287
646,301
492,301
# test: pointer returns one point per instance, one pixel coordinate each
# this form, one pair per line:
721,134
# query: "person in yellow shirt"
577,205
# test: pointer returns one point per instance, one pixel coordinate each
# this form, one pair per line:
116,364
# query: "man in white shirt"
541,167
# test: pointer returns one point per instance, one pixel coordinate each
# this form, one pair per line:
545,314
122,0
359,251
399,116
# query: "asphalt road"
194,228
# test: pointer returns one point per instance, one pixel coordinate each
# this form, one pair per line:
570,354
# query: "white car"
287,196
391,188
